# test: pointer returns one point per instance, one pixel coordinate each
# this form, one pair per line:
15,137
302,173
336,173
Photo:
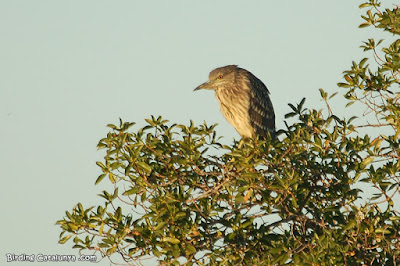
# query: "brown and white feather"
244,101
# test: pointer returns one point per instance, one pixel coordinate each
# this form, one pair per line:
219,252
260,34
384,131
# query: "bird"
244,101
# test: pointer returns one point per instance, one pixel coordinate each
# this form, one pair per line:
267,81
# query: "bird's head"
219,77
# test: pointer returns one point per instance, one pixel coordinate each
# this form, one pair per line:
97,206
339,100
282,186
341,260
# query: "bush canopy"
180,196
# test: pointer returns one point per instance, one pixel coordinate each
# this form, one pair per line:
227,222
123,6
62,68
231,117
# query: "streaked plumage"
244,100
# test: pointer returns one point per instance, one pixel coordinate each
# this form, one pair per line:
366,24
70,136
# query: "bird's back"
261,110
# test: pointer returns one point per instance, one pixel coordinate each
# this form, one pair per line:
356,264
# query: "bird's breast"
235,108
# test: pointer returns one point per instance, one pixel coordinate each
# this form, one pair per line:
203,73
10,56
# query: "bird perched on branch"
243,99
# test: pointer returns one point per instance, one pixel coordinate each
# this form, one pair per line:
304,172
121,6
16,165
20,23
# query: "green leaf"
364,25
190,249
133,190
64,239
171,240
101,229
333,95
144,166
367,161
300,107
350,225
180,215
288,115
112,178
382,231
363,61
344,85
323,94
159,226
364,5
292,106
100,178
110,251
101,165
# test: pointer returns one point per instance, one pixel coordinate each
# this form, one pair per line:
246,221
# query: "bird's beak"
208,85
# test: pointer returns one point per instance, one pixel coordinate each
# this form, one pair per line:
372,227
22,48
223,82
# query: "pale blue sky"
68,68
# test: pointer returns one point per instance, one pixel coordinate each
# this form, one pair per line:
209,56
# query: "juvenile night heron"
243,99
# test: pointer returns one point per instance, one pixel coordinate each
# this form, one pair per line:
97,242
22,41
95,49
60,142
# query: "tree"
292,200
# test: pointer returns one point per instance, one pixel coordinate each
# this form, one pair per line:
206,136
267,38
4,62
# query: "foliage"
292,200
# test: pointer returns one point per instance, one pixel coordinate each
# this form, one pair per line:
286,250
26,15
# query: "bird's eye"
220,77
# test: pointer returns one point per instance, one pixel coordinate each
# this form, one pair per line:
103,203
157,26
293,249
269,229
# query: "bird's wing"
261,111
